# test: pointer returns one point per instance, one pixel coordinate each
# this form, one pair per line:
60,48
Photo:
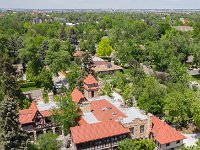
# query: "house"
183,28
78,53
104,122
37,118
165,136
105,67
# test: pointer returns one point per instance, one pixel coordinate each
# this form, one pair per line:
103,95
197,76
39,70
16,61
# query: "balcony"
38,127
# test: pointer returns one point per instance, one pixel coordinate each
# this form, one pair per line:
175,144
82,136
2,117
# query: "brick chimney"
86,107
51,97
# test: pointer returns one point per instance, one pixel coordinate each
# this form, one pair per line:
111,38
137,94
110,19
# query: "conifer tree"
12,136
43,49
63,35
87,64
72,37
10,85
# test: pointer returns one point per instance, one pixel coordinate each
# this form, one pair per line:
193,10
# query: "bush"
28,84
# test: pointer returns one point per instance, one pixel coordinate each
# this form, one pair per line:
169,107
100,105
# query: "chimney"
149,122
86,107
50,95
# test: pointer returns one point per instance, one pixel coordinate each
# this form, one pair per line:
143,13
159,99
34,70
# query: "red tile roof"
90,132
104,110
27,115
76,95
163,133
90,80
46,113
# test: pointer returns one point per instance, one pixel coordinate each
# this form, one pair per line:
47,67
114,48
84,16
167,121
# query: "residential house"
37,118
183,28
105,67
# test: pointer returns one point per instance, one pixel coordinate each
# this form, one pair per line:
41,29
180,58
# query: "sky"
101,4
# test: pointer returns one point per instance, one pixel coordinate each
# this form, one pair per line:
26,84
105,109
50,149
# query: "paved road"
191,139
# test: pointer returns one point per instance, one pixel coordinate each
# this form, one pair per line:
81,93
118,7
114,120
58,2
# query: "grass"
30,89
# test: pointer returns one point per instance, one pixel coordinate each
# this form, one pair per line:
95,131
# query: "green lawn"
30,89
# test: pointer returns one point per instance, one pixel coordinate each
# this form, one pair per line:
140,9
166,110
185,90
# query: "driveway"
191,139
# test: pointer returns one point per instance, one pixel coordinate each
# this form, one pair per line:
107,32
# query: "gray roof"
46,106
90,118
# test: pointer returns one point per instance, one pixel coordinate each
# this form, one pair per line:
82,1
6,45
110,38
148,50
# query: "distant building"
183,28
104,122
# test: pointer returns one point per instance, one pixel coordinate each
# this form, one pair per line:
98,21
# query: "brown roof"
78,53
106,67
163,133
91,132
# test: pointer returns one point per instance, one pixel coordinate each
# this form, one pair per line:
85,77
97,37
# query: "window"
132,130
177,142
168,144
142,129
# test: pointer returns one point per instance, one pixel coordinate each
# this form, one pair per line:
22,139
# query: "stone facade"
91,93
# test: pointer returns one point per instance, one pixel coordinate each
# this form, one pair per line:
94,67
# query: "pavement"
191,139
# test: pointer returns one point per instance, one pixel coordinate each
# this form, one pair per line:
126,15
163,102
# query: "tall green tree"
12,136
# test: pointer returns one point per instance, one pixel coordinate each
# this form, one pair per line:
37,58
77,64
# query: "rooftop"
163,133
183,28
106,67
90,80
104,108
76,95
100,130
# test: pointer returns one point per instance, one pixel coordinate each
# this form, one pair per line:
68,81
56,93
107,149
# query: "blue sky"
95,4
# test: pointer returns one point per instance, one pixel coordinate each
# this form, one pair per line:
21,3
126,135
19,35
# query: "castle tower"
91,87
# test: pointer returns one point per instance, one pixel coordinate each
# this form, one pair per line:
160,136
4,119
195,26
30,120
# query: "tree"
87,64
177,72
129,144
48,141
104,48
72,37
10,85
63,35
43,49
68,114
181,105
44,79
151,96
12,136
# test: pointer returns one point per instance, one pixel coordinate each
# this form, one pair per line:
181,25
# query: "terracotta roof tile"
104,110
90,132
76,95
27,115
90,80
46,113
163,133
